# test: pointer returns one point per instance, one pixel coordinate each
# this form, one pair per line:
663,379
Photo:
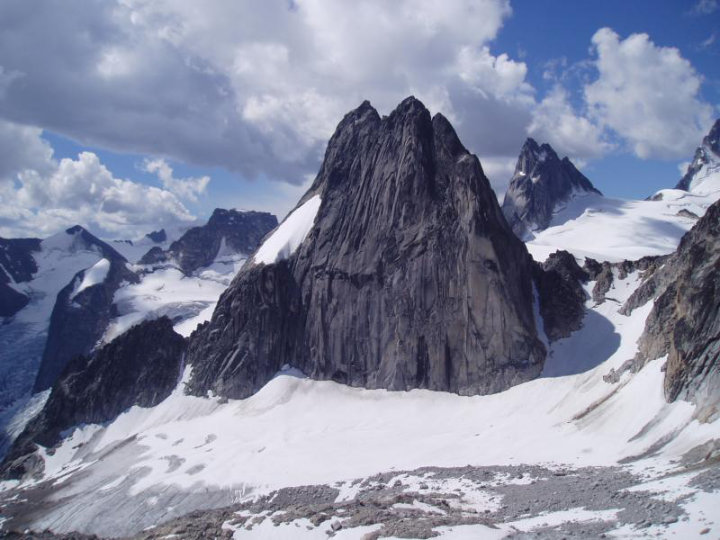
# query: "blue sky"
113,115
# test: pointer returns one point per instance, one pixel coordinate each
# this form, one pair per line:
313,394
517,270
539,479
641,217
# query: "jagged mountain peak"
405,238
541,182
157,236
703,173
78,238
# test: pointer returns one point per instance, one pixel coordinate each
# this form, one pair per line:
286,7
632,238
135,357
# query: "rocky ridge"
684,323
240,232
141,367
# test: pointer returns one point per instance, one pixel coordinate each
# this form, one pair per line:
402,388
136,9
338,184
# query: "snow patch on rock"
290,233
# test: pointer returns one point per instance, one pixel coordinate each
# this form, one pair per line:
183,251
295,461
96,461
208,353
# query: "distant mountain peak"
239,231
705,163
540,183
157,236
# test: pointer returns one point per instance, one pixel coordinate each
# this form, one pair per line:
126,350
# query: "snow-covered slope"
187,300
190,452
613,230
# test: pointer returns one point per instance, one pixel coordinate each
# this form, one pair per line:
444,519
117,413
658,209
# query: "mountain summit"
540,183
396,270
703,174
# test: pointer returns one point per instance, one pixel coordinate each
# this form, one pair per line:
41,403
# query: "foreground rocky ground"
468,502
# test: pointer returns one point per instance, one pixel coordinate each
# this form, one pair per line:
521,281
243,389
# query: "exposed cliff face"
684,323
240,232
540,183
17,265
82,310
141,367
409,277
705,163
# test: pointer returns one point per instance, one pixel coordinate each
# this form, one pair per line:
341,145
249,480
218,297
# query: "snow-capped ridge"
703,173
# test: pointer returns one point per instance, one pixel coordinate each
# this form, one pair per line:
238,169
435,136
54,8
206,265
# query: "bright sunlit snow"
290,233
297,431
92,276
614,230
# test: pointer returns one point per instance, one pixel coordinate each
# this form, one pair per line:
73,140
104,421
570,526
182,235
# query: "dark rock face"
562,299
541,181
157,236
141,367
685,320
79,320
409,278
16,258
242,232
705,154
16,265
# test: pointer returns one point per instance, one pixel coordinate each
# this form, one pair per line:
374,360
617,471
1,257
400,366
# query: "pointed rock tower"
541,182
397,270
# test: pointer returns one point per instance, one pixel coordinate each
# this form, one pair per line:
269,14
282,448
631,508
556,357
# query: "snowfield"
151,465
613,230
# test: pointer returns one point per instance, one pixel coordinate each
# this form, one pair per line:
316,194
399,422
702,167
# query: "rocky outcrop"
604,274
141,367
684,323
706,156
409,278
240,232
540,183
81,314
17,265
562,298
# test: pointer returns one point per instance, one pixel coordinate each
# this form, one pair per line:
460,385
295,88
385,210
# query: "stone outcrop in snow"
240,232
409,278
540,183
562,298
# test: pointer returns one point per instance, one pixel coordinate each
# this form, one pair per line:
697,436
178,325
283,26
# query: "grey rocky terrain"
524,501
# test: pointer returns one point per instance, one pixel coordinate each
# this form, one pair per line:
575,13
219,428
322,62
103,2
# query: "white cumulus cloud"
185,188
40,195
647,94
